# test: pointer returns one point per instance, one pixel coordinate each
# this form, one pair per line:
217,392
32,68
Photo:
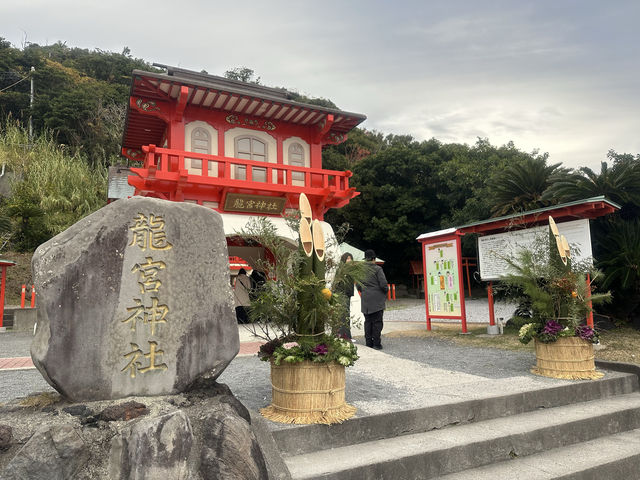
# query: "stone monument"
134,300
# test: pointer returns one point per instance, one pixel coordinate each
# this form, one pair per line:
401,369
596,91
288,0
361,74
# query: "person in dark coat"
374,295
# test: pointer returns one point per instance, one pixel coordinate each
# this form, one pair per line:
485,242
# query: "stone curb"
309,438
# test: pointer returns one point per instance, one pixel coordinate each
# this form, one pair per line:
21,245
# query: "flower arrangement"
556,288
295,310
325,349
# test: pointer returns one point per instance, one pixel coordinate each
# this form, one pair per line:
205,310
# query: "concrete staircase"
579,430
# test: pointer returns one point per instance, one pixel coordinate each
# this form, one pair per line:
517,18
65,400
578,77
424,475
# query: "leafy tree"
242,74
619,257
521,185
73,88
30,229
359,145
616,240
396,201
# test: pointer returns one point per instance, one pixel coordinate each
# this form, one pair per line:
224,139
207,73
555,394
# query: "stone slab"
134,299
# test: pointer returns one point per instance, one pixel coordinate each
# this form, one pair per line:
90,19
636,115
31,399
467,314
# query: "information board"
493,250
443,287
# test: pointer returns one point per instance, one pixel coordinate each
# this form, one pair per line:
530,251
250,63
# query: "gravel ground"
438,353
248,377
15,344
20,383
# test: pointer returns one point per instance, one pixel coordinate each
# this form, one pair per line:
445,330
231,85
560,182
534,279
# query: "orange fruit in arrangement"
326,293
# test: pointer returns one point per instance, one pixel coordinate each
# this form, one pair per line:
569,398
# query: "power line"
16,83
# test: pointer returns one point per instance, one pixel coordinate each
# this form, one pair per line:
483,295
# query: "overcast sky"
559,76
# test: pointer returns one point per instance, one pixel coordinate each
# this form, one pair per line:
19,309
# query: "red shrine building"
239,148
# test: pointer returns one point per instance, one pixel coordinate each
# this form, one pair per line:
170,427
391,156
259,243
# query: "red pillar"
280,160
424,281
463,310
492,317
221,148
590,315
2,285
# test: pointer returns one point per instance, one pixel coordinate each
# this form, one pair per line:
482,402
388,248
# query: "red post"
33,296
424,283
388,291
492,318
2,284
23,296
463,310
393,288
590,315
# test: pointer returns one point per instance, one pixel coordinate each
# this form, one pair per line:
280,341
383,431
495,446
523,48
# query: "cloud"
558,76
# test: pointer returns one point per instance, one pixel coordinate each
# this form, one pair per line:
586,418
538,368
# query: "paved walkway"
16,363
25,363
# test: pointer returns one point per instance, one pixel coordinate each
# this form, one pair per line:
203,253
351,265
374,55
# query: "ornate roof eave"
240,89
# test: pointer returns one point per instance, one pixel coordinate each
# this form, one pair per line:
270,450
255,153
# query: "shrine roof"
588,208
212,92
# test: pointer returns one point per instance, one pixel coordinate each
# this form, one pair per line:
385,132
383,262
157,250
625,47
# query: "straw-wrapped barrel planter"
568,357
308,392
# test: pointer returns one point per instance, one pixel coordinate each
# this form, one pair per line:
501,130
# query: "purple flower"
585,332
320,349
552,327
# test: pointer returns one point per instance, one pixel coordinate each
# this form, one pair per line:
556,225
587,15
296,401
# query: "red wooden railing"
169,164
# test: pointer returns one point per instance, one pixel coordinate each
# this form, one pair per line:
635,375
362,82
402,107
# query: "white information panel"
493,250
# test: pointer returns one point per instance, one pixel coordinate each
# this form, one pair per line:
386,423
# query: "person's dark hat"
369,255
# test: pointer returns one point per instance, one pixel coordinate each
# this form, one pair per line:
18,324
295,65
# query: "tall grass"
60,183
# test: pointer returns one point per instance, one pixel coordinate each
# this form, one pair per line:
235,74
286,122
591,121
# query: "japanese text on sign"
235,202
148,235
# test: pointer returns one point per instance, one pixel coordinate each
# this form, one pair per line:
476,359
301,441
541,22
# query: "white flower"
344,361
525,329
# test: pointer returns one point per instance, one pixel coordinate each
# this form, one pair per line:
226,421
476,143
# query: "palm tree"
620,183
619,259
521,185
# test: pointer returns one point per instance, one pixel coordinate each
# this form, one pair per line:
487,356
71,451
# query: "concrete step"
296,440
611,457
435,453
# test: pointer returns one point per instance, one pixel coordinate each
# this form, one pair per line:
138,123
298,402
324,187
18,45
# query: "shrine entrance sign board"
498,239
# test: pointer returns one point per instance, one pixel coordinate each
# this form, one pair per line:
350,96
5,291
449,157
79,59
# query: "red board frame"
463,313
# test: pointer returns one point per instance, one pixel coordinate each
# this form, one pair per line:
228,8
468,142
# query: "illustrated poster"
443,287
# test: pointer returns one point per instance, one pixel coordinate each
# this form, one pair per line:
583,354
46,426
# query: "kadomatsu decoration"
297,312
559,291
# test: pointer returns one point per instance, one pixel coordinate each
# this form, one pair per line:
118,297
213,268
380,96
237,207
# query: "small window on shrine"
200,143
251,148
296,159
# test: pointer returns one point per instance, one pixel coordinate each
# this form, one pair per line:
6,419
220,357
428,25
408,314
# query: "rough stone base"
204,433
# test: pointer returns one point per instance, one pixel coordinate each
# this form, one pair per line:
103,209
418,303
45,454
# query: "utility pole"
31,108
